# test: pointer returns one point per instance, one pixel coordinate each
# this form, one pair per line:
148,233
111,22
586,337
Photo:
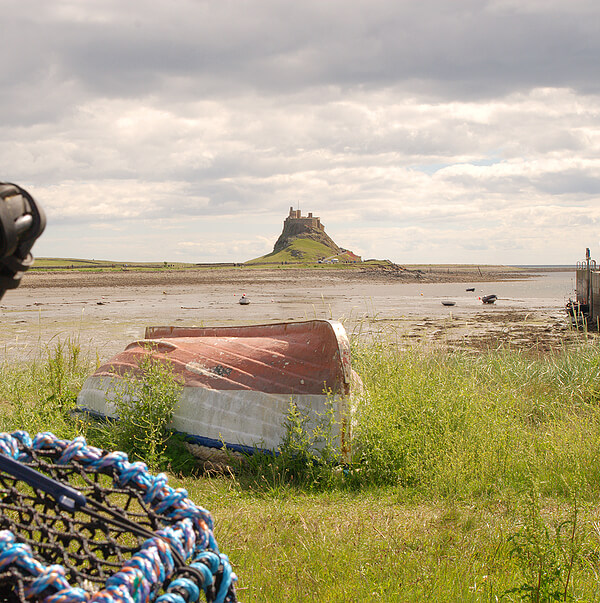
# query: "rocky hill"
304,228
304,239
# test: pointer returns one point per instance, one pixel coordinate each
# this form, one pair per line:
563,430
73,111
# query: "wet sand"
105,311
42,278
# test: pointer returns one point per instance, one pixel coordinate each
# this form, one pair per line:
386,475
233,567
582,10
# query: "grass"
39,395
105,265
300,252
308,258
464,425
475,478
372,545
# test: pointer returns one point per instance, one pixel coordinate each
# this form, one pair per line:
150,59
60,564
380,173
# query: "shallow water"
547,290
105,320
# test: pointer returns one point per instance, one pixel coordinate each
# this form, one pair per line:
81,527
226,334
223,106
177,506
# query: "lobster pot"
79,524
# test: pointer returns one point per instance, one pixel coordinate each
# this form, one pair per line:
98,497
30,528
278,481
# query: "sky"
420,131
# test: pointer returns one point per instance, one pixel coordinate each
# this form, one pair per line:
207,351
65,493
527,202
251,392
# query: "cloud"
413,121
466,48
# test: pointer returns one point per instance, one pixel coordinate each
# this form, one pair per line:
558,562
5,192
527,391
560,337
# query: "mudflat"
104,311
283,274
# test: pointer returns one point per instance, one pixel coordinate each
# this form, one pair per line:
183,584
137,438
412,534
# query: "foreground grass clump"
39,395
474,478
145,404
463,425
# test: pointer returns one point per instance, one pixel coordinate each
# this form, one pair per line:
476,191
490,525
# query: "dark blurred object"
21,223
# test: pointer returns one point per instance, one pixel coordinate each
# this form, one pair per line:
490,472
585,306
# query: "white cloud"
434,128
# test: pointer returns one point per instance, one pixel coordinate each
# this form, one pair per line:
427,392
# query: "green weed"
145,402
40,395
307,458
547,555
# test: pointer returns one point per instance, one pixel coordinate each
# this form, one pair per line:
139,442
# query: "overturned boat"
239,382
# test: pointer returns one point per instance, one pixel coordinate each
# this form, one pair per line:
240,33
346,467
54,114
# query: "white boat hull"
243,420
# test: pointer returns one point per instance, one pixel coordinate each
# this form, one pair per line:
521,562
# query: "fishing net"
80,524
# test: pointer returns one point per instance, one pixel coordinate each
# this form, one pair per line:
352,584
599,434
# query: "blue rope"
190,535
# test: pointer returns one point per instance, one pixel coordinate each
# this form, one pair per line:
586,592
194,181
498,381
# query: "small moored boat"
577,309
244,301
489,299
239,382
448,303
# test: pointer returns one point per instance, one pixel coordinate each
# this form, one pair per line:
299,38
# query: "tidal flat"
104,311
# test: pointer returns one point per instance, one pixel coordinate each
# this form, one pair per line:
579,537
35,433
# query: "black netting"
90,548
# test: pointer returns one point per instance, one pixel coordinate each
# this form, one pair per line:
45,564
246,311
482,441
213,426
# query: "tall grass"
431,423
462,425
40,394
475,477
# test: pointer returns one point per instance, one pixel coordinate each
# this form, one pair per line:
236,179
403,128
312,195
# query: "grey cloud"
574,182
464,48
583,182
374,112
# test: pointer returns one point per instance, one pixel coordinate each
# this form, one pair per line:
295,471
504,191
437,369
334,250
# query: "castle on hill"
309,221
296,230
297,226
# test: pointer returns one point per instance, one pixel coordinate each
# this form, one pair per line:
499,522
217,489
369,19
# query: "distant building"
296,217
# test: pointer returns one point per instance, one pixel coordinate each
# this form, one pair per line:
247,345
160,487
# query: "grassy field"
104,265
475,477
311,252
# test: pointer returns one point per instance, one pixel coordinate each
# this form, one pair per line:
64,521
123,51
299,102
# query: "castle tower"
298,220
309,227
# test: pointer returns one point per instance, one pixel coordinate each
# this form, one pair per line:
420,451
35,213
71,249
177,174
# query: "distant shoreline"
245,275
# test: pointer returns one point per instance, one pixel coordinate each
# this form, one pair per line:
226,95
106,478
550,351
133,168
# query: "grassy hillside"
300,251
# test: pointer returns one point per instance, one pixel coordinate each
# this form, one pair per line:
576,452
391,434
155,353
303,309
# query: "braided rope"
144,574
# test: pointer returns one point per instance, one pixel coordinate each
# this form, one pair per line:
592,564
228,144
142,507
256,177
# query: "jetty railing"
588,288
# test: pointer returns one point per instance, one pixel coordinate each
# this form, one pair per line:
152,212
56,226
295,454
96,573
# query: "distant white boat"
244,301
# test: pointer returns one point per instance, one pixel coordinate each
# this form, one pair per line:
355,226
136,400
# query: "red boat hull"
239,381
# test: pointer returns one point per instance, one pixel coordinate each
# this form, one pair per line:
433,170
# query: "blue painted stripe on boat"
212,443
